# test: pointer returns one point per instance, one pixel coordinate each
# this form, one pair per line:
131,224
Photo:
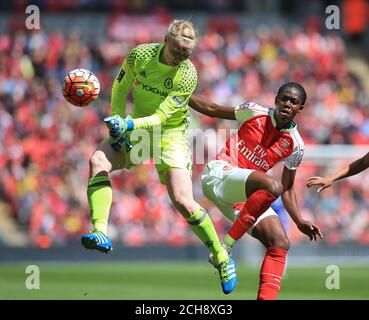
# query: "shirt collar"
292,125
161,65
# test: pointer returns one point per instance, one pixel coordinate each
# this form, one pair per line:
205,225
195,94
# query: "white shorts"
225,186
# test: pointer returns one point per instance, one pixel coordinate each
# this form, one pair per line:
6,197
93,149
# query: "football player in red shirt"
236,180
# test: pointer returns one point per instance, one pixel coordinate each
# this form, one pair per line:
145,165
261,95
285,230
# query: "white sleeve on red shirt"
248,110
295,158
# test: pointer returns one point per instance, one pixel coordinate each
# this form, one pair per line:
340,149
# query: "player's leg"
99,193
261,190
270,232
175,172
179,185
224,185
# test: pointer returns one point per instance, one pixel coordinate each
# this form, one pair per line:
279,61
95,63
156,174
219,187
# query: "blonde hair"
177,26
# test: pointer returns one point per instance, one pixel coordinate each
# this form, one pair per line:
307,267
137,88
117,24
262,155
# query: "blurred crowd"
45,143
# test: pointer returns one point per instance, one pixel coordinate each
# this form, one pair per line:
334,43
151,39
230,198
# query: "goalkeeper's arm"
122,84
167,108
118,127
156,119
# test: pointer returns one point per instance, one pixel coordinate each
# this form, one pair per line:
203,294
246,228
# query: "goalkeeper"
162,79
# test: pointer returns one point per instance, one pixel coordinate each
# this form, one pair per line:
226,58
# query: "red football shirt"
258,144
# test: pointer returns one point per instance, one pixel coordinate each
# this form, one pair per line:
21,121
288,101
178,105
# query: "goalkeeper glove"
116,143
118,128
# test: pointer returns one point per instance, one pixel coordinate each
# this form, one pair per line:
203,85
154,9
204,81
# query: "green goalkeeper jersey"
160,92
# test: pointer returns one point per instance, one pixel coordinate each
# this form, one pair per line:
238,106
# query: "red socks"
275,258
271,273
254,207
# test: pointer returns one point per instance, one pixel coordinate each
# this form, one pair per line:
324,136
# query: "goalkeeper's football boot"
226,269
211,258
228,277
97,241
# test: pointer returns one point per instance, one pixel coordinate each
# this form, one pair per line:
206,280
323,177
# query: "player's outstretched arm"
290,203
351,170
206,106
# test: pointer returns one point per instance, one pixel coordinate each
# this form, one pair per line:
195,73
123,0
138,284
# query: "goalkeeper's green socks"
203,227
100,197
229,241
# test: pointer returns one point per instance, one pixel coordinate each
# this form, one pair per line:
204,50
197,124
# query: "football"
80,87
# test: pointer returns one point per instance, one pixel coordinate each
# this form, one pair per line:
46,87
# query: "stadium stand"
45,143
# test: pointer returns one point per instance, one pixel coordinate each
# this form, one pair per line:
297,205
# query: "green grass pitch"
170,281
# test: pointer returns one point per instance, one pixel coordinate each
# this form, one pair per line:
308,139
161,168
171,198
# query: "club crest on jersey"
168,83
285,143
246,105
